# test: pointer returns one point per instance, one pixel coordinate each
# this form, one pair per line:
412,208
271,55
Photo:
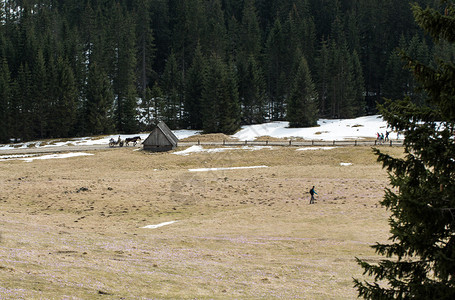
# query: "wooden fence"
372,143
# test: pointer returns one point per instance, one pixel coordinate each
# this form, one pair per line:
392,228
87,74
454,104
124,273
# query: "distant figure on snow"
312,192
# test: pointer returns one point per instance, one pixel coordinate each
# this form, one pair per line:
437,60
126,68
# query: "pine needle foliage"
419,260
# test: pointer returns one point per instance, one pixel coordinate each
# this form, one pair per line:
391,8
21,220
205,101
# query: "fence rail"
390,143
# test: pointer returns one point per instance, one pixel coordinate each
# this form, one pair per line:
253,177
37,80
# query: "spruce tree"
98,115
214,91
159,104
418,50
252,88
419,260
172,82
23,106
302,103
396,77
124,69
40,110
275,71
193,91
250,34
64,111
230,107
323,74
358,86
5,98
145,45
220,109
213,39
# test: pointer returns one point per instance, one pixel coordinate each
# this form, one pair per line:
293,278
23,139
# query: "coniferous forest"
88,67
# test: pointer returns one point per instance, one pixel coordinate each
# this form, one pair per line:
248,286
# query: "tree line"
87,67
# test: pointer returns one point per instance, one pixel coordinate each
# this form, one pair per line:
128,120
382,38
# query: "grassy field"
72,228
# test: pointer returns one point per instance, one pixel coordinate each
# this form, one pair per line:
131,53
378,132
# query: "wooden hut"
160,139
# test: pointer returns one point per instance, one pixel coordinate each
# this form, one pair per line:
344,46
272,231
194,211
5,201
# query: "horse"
132,140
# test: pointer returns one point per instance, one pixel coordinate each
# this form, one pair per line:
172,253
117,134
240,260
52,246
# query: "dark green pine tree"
159,104
396,77
323,74
417,49
172,83
419,260
124,69
253,93
5,99
214,90
98,114
275,71
145,45
64,110
41,108
213,39
250,34
358,86
302,103
302,30
193,91
186,21
220,109
230,107
22,106
340,92
251,83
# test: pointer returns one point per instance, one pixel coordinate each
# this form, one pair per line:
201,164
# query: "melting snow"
159,225
327,129
56,156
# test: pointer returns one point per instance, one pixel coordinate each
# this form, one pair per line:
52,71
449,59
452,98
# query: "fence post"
290,142
224,142
334,143
312,142
355,144
390,143
375,141
198,142
246,142
266,142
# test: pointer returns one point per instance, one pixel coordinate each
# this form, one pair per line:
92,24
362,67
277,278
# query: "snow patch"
327,129
159,225
13,157
56,156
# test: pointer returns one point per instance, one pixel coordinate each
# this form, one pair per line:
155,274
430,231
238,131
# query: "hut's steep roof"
161,135
168,133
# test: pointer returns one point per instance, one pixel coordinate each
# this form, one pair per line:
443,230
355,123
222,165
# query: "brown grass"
218,137
71,228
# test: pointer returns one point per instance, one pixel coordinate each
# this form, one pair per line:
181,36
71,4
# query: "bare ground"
72,228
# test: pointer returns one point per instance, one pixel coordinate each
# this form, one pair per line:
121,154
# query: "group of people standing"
380,137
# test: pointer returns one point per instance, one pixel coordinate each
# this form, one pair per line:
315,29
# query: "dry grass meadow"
72,228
